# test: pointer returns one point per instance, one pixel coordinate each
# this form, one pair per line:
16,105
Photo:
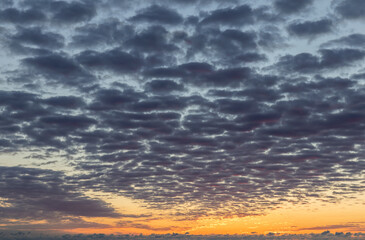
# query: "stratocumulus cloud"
189,106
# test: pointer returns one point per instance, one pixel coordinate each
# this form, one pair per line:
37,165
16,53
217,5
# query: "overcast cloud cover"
206,108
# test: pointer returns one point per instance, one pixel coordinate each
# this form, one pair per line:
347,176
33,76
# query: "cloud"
330,58
350,9
35,36
68,102
65,12
27,16
131,224
35,194
152,39
230,16
231,77
340,57
354,40
67,121
232,41
349,227
163,86
311,28
289,7
114,60
109,32
53,64
158,14
59,69
111,98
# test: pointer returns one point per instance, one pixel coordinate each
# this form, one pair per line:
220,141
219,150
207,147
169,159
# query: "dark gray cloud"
110,32
231,41
340,57
27,16
69,102
271,38
36,37
70,12
60,69
152,39
6,3
330,58
54,64
64,12
289,7
250,57
115,60
350,9
163,86
231,77
230,16
311,28
227,46
158,14
36,194
67,121
352,40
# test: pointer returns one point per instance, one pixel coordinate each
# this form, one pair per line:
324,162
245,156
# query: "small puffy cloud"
111,32
158,14
230,16
329,59
54,64
36,37
152,39
290,7
59,69
72,12
163,86
340,57
114,60
67,102
352,40
28,16
311,28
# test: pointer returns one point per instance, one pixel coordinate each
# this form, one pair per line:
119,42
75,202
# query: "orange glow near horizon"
290,219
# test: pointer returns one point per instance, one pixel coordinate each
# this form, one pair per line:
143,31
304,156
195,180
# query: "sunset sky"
199,116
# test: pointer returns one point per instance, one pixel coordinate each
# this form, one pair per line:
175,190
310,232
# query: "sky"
182,116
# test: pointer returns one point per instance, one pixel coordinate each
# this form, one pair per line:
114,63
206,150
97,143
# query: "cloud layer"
208,111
